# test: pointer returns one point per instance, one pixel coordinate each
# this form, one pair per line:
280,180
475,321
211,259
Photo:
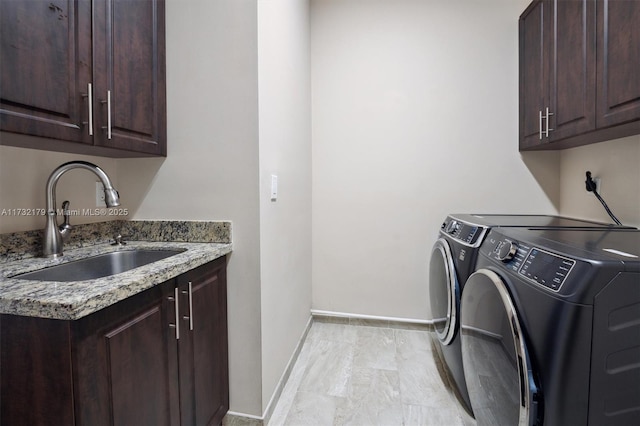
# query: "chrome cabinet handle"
89,96
174,299
540,125
546,133
190,317
108,126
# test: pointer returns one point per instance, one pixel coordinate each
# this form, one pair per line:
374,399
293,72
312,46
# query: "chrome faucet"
53,235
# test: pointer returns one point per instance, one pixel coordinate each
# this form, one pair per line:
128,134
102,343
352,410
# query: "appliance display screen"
546,268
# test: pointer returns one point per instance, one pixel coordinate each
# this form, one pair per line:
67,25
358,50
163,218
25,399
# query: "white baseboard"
321,313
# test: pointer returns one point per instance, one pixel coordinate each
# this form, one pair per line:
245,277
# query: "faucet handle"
66,227
118,240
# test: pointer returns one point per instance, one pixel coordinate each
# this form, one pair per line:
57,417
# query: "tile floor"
366,376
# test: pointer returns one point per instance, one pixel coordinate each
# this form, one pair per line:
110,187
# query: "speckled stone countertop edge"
74,300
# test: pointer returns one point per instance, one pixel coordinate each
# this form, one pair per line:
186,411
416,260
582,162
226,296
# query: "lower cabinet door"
138,368
127,369
204,379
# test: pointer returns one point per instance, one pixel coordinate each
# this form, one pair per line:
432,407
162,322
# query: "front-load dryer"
550,328
453,260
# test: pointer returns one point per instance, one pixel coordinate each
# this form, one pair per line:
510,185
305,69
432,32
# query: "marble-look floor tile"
311,409
367,376
368,412
421,384
375,348
412,345
420,415
233,420
332,332
293,383
329,370
373,399
380,386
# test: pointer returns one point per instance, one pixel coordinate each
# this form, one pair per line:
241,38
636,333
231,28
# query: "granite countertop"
76,299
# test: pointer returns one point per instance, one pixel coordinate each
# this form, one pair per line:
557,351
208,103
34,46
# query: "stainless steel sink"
99,266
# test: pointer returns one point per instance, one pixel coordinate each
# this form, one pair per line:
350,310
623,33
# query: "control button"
507,251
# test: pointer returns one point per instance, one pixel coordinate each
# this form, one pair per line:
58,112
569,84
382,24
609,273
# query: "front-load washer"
452,262
550,328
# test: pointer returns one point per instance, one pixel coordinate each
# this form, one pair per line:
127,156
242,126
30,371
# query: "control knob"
452,227
508,250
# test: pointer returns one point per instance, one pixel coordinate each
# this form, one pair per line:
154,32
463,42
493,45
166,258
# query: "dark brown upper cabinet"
570,93
87,72
618,29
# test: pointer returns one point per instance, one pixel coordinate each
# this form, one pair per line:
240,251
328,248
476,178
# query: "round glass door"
444,292
494,354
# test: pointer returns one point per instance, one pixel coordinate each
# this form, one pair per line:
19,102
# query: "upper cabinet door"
90,71
618,61
557,71
45,68
572,69
129,51
579,68
533,84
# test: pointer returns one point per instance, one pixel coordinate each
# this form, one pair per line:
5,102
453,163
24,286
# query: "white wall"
211,170
414,115
617,163
285,150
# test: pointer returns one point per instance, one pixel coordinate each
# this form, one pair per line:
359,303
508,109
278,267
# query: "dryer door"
494,354
444,291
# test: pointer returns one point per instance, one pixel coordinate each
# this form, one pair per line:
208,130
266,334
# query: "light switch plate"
274,187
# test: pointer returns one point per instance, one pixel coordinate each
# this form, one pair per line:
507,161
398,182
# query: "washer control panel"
466,233
547,269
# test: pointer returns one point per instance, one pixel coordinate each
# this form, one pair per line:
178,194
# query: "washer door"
494,355
444,291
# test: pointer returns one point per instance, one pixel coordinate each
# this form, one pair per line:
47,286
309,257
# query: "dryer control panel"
535,264
467,233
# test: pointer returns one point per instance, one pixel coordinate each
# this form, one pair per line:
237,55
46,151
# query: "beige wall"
285,151
617,163
23,177
211,171
415,115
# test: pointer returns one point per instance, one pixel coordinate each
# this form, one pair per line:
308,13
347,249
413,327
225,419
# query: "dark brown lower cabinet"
128,364
203,365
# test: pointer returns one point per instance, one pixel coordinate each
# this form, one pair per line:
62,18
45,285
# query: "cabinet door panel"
131,66
572,73
126,362
533,87
37,372
209,348
618,61
138,370
45,68
205,390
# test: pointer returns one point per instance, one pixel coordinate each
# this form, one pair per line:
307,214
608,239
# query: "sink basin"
99,266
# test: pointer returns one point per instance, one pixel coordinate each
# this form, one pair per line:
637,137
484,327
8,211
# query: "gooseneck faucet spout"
52,240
